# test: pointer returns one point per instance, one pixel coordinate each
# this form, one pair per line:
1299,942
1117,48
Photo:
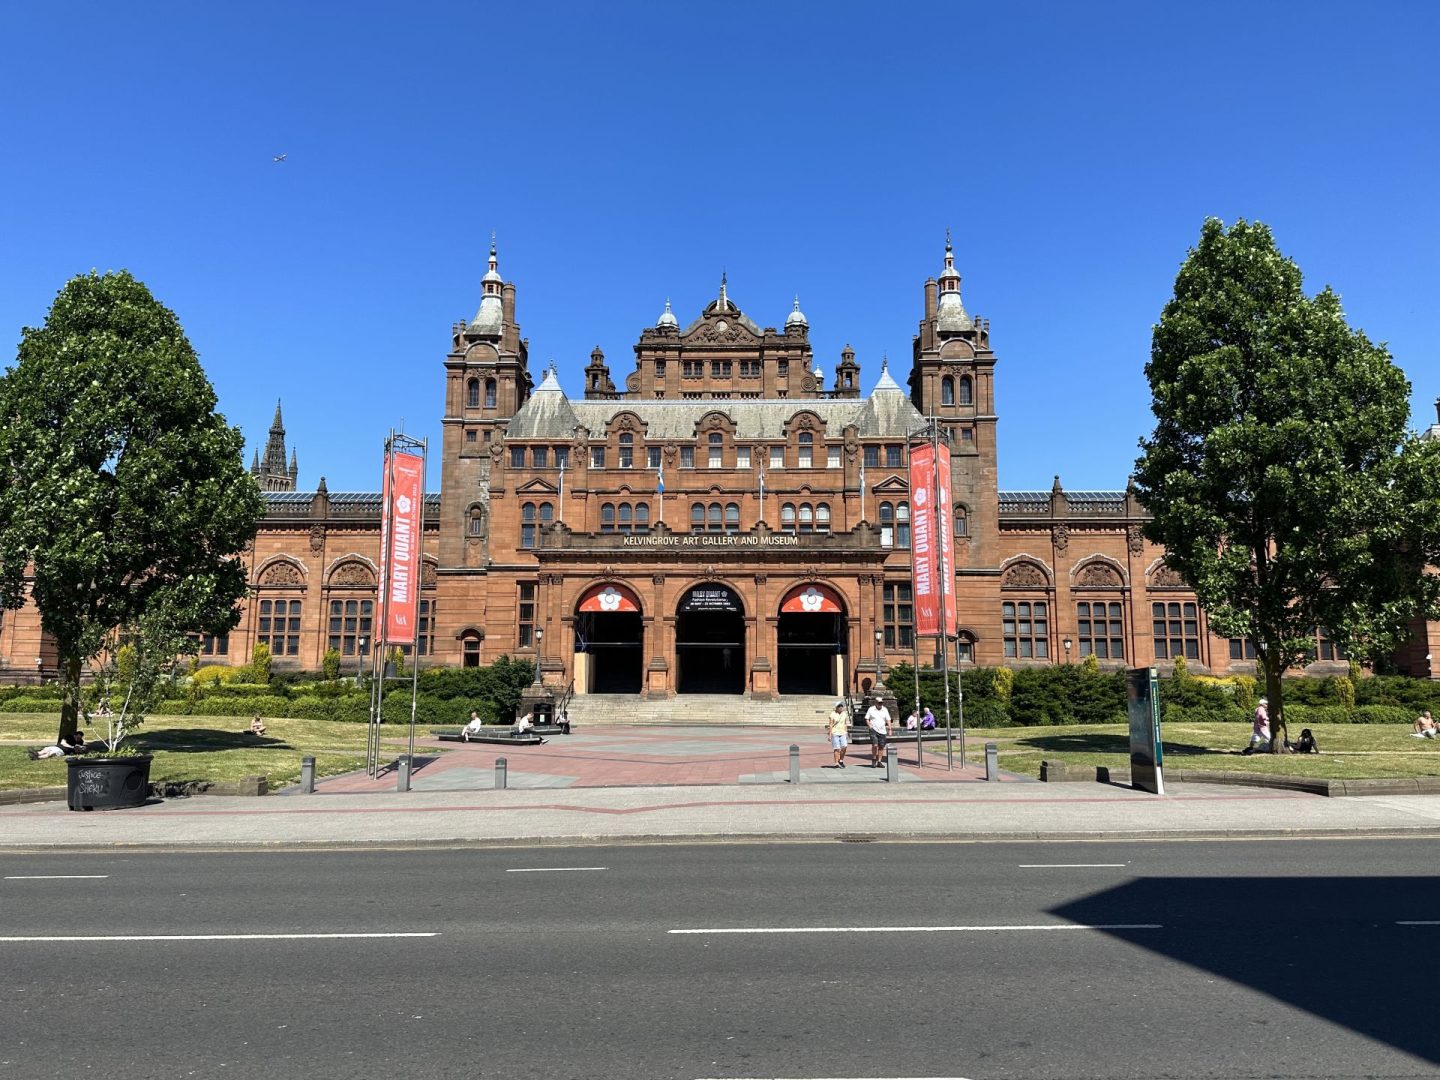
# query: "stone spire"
271,470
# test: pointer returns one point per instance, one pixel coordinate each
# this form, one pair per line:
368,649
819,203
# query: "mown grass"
192,748
1348,751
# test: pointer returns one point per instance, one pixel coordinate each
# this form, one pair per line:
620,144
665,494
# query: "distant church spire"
272,471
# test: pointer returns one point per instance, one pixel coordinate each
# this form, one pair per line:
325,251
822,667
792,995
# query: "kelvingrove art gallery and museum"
729,518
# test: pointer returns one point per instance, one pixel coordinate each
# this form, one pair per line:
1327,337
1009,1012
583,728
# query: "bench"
502,735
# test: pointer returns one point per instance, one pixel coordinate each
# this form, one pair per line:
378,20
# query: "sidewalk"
973,811
703,784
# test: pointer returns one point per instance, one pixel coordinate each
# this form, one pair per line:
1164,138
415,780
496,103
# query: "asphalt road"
1273,959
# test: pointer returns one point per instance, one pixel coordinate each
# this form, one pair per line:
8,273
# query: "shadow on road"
1332,946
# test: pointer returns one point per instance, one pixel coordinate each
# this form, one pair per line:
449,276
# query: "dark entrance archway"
811,633
610,631
710,641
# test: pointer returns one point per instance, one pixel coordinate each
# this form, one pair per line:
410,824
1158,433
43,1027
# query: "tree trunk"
1274,693
69,696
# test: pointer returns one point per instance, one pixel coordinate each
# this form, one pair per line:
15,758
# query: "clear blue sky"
626,153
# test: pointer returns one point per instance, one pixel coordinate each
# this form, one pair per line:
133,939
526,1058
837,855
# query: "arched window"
625,517
627,451
470,650
697,517
806,448
732,517
717,518
947,391
607,517
822,517
547,513
787,517
527,525
642,517
887,514
477,521
807,518
472,394
962,521
967,391
717,450
902,524
490,393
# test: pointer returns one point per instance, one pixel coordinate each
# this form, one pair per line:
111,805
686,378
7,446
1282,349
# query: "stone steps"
597,710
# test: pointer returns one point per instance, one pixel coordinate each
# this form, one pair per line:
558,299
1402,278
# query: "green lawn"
1348,751
197,748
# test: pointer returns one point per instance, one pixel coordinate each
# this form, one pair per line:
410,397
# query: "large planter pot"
101,783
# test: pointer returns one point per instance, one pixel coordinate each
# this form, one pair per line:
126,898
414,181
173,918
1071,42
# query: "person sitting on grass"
257,726
1424,727
1306,743
62,747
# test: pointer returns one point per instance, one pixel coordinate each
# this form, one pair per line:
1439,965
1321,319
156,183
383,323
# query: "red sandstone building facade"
725,522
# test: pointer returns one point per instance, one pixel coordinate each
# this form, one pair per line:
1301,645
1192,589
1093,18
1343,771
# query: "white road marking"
552,869
1417,922
214,937
846,1078
911,929
54,877
1065,865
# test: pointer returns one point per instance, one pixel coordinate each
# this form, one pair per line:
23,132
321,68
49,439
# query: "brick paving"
652,756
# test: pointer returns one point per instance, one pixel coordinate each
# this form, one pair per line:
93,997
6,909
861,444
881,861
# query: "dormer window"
627,451
806,450
717,450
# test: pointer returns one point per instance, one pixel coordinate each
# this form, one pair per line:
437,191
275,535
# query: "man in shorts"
838,727
877,719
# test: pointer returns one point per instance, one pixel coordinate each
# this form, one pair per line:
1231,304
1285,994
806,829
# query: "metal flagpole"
762,491
660,490
561,499
862,488
417,584
377,650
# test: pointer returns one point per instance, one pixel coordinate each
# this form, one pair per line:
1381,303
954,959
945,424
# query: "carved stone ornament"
625,422
805,422
428,577
1098,576
608,574
1060,536
282,573
1166,577
657,579
317,539
352,573
1134,539
582,437
1025,576
812,573
718,331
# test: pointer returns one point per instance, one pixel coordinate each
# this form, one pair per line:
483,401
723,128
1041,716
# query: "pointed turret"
489,321
796,319
950,316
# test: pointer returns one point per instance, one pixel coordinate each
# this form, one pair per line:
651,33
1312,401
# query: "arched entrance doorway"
811,634
609,636
710,641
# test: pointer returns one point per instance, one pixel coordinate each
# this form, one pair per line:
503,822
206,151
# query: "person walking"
877,719
838,725
1260,729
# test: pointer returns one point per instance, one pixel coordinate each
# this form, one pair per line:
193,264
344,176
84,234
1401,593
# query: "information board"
1142,690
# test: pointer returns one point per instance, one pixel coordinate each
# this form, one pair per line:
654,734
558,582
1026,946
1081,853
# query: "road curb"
1419,832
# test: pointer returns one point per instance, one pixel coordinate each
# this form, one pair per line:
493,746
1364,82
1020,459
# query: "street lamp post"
539,653
360,655
1067,644
879,663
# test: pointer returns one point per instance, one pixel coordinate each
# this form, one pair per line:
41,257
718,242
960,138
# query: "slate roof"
549,414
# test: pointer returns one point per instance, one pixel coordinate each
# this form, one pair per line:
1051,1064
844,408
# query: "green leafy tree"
260,663
1281,476
330,664
122,492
